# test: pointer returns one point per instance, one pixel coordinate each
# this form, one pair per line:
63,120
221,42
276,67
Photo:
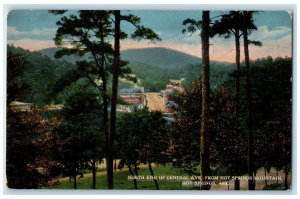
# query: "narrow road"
155,102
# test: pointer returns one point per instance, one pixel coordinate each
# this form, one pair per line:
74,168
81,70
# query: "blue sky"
35,29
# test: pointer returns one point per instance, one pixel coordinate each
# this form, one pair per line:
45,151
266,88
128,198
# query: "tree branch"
92,81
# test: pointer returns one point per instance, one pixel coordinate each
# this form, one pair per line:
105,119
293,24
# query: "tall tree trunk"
254,181
105,97
228,185
94,173
286,172
106,121
251,184
152,174
102,74
204,131
112,129
136,169
286,168
238,69
236,184
75,182
277,174
266,181
237,89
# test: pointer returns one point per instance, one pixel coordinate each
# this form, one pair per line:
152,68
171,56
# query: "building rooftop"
53,107
176,81
18,103
22,106
129,90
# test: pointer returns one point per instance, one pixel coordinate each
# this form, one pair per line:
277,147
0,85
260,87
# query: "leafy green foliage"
57,12
140,32
28,165
186,129
154,78
80,137
35,76
144,33
82,102
135,132
229,146
191,26
16,88
229,25
142,138
272,97
87,33
271,88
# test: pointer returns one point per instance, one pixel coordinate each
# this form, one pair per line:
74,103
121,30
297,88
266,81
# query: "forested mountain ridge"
155,66
37,73
42,69
164,58
41,64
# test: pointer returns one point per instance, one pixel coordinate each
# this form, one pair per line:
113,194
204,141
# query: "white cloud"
263,33
12,31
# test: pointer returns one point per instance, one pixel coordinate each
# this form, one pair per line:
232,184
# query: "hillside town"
136,98
133,98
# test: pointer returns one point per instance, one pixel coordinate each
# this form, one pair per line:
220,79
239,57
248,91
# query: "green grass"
121,180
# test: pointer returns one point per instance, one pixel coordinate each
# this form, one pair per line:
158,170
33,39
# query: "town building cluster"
167,95
134,98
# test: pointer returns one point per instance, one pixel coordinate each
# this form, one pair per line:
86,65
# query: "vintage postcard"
149,99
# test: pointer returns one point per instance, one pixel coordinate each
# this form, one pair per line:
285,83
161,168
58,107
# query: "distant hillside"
162,57
39,73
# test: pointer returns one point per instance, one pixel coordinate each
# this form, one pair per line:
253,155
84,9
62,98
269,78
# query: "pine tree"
140,33
248,18
204,131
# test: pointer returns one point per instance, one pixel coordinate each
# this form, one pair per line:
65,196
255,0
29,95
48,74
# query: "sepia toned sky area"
35,30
